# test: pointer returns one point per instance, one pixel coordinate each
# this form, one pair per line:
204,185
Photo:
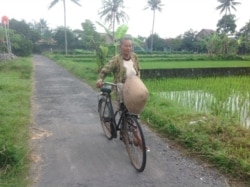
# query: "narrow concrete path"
70,150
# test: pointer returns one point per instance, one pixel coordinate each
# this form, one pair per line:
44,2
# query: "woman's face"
126,47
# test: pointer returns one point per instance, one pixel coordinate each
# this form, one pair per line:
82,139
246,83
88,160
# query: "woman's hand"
99,83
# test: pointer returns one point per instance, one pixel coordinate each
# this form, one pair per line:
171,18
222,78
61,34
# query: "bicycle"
127,123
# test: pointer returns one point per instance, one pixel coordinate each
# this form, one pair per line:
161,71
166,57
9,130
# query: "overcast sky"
176,17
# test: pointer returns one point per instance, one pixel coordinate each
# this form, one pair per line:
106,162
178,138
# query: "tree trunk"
113,37
65,29
152,38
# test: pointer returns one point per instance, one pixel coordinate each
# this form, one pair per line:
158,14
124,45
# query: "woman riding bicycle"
122,65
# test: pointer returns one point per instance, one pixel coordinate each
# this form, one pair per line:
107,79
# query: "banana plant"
120,32
101,56
104,49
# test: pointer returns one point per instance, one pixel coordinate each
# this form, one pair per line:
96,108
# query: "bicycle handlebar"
107,87
110,83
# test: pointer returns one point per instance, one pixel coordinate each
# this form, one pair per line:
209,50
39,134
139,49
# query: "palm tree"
42,26
64,7
226,6
153,5
113,12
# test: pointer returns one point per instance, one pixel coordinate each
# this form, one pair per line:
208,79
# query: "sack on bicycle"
135,94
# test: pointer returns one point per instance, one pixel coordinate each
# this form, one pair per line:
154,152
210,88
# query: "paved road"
70,150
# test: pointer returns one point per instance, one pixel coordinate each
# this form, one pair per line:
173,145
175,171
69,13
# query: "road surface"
70,150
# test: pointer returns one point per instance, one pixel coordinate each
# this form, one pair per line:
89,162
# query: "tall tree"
153,5
226,5
189,40
112,11
90,37
42,26
227,24
65,25
59,35
244,39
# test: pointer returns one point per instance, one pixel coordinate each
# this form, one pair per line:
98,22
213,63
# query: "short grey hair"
124,39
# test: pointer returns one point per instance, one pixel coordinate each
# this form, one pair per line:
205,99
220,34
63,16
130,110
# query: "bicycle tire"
105,118
135,143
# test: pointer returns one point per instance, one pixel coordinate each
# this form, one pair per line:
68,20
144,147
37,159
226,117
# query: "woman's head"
126,46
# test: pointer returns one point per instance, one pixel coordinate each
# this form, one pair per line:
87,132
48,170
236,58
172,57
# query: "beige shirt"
129,66
115,66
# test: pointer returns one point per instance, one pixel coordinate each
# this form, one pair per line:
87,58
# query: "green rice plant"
214,95
169,64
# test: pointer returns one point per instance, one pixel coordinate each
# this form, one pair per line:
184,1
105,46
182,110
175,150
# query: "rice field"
224,96
156,64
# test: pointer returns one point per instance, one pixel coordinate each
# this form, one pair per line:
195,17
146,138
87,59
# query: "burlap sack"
135,94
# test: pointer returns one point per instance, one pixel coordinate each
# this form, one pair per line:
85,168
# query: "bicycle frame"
128,125
106,92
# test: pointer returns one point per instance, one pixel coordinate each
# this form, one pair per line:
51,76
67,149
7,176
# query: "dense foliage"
28,38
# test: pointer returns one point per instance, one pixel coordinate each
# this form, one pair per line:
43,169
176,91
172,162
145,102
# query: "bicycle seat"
106,89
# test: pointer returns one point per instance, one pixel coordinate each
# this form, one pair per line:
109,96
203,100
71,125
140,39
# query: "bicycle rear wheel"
105,118
135,143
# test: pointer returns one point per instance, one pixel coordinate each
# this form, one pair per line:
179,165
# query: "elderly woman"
121,66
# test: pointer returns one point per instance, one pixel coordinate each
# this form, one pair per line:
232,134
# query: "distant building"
204,33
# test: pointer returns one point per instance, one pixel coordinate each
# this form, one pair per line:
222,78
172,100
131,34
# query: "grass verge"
15,93
223,144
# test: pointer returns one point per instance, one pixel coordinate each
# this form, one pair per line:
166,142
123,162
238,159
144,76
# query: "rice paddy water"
200,101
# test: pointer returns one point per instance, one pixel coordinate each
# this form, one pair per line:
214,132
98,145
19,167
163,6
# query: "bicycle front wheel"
105,118
135,142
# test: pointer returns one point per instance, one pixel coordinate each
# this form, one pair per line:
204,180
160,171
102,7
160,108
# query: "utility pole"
5,23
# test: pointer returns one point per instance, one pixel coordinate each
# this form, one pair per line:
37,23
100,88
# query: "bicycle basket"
106,88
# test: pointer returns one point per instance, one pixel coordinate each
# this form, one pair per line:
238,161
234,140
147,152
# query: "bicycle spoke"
105,119
135,144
